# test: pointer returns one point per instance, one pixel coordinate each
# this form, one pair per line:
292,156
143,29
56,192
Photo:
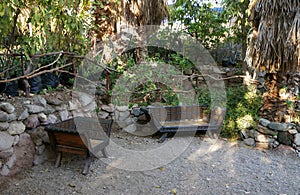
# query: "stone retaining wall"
273,135
22,136
23,139
280,123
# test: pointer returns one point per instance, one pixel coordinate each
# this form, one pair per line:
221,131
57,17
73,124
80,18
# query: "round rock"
34,109
39,100
3,116
42,117
130,129
6,141
4,126
249,142
264,122
24,115
279,126
32,121
297,139
7,107
16,127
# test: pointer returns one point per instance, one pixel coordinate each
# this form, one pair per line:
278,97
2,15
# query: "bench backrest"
176,113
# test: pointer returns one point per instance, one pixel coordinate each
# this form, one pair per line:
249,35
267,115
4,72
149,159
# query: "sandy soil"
203,168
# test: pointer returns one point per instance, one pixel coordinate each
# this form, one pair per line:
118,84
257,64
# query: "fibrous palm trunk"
274,46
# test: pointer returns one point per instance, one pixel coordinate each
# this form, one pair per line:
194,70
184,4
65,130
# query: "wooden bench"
171,119
79,135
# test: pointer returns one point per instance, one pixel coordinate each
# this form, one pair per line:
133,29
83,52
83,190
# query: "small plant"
49,88
97,110
71,81
42,92
290,104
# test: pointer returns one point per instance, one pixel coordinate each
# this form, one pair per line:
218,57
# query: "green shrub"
242,107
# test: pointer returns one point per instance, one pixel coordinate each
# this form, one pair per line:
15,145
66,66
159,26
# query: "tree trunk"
274,47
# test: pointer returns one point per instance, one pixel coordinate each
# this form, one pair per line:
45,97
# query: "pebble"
123,115
51,119
32,121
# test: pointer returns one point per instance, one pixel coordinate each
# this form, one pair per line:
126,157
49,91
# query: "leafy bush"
242,107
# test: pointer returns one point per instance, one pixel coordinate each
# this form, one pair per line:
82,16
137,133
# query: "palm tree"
274,46
275,40
110,15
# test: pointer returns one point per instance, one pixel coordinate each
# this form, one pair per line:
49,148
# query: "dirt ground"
205,167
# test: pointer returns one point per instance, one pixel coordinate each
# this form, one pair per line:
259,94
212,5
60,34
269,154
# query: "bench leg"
104,152
87,165
163,138
58,159
212,134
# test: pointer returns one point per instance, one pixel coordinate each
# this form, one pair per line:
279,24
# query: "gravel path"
203,168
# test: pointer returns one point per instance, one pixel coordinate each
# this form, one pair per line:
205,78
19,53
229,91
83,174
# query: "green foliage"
182,63
237,11
97,109
290,104
242,107
157,81
200,21
44,26
204,96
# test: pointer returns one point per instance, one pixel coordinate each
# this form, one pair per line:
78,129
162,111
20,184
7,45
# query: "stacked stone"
272,134
285,103
22,136
124,119
130,120
16,147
